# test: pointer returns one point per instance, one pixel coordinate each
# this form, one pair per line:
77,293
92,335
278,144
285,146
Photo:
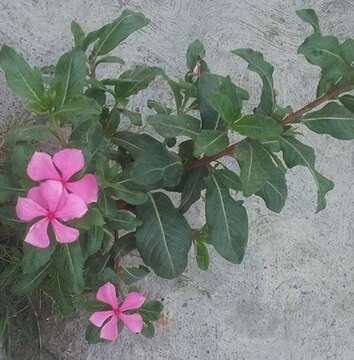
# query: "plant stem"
294,117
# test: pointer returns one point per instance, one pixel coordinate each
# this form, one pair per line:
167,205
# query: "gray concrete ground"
293,296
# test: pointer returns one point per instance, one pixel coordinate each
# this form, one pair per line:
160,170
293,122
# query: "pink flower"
51,203
133,301
62,167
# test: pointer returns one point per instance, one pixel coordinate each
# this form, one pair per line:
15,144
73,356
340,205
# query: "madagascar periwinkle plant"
79,193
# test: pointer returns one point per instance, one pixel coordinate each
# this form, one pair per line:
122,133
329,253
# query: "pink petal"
107,294
86,188
51,192
134,322
133,300
69,162
64,234
70,207
110,330
99,317
38,234
35,194
41,167
27,209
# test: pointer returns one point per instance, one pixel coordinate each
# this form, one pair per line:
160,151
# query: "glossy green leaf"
296,153
265,70
131,196
210,142
258,127
158,107
348,102
151,310
70,75
175,125
78,34
131,275
21,78
228,179
134,117
164,239
227,222
309,16
7,190
113,34
275,191
123,220
134,80
92,218
193,182
93,241
256,165
155,166
195,53
148,330
92,335
110,60
333,119
201,255
79,106
33,258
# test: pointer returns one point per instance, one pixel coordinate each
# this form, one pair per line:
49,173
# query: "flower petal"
133,300
71,207
51,192
99,317
35,194
107,294
133,322
69,162
110,330
64,234
27,209
86,188
38,234
41,167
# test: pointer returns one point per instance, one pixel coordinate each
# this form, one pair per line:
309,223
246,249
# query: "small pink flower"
133,301
62,167
50,202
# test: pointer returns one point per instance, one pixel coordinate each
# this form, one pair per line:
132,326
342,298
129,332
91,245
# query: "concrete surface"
293,296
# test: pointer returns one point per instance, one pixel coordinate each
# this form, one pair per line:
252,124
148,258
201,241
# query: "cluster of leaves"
137,172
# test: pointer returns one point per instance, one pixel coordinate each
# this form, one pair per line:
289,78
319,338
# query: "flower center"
63,182
117,312
50,215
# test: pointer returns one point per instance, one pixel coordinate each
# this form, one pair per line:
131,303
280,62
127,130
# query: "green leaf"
29,282
175,125
164,239
228,179
130,196
309,16
155,166
134,117
227,222
256,165
131,275
202,255
208,84
158,107
275,191
333,119
258,127
92,218
110,60
21,78
92,334
78,34
134,80
70,75
265,70
113,34
93,241
195,52
8,216
348,102
29,134
111,123
123,220
148,330
295,153
34,258
80,106
124,245
7,191
137,144
70,264
210,142
193,182
151,311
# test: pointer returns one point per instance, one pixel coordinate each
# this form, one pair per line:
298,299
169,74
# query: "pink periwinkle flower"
109,319
51,204
61,167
